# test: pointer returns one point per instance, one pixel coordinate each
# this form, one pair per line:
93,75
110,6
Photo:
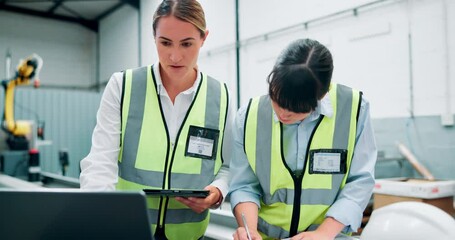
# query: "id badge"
328,161
202,142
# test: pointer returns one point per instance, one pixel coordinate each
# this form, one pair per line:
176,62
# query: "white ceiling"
85,12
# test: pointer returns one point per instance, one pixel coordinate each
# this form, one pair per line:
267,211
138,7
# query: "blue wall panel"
69,117
431,143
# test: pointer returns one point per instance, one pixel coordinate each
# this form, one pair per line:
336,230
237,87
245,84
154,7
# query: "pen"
246,227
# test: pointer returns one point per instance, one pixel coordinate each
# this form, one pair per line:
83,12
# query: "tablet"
176,193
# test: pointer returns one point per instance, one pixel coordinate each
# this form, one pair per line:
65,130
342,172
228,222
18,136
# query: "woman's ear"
205,37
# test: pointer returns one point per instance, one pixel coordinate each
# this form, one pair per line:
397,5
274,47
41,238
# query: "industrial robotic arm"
27,72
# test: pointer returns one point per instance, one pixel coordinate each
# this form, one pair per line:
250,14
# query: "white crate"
419,188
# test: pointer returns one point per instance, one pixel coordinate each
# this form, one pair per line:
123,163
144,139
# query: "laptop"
73,214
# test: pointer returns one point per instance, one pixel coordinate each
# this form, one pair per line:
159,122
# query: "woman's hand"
312,235
199,205
240,234
328,230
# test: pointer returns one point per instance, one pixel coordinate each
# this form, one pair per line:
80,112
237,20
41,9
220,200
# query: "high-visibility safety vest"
290,203
147,158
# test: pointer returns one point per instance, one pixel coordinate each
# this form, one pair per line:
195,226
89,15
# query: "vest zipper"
160,232
296,206
295,219
297,189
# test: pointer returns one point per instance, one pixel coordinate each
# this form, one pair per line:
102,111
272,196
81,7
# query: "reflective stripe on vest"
147,159
317,191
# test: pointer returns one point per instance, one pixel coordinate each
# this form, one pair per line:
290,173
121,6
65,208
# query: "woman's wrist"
217,204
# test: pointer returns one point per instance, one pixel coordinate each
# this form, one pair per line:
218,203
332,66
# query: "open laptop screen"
73,214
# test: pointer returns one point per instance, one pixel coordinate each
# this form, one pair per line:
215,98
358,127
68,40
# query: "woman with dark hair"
304,155
163,127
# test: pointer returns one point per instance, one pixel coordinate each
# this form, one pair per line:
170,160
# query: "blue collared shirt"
353,198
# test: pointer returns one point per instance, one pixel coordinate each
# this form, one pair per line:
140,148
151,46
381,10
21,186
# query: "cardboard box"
437,193
445,203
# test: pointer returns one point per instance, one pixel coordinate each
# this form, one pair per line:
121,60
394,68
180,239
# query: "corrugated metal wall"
69,117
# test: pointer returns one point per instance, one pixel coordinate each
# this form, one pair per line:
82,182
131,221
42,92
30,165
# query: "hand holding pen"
245,233
246,227
246,215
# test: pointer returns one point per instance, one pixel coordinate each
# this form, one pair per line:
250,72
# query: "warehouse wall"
68,50
371,52
71,61
431,143
119,42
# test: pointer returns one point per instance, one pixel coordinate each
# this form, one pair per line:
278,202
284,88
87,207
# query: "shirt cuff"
222,186
239,197
348,213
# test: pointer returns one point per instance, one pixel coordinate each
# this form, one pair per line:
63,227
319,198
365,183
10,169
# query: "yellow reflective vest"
147,158
291,204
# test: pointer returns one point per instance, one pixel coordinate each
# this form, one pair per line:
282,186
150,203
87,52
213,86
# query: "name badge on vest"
328,161
202,142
